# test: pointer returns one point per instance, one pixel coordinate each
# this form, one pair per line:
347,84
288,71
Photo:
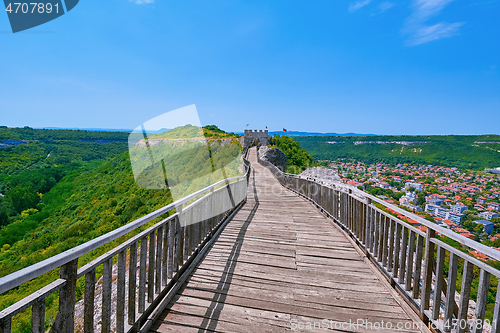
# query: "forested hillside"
298,159
475,152
63,188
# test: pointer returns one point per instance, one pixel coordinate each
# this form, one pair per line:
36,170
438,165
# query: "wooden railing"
412,260
165,252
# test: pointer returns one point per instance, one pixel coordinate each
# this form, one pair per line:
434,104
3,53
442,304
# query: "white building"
443,213
458,208
417,186
488,215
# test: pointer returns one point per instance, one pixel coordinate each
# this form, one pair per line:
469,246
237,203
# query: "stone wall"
256,138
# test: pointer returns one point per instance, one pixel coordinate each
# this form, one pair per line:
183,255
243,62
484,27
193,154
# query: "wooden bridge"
270,252
279,262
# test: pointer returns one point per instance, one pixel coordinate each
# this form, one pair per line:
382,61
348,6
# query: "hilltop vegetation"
190,131
475,152
298,159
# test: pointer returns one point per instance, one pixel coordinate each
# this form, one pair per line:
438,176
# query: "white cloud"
384,6
358,4
416,24
140,2
434,32
424,9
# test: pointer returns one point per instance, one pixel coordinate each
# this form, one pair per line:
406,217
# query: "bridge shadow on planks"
213,311
218,301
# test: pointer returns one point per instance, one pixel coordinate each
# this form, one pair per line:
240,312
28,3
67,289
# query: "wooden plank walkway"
278,265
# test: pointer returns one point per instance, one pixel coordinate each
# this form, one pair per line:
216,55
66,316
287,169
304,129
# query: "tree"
4,216
479,228
421,199
466,202
22,198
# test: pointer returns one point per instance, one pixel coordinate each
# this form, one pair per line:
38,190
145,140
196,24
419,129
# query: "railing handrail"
17,278
492,253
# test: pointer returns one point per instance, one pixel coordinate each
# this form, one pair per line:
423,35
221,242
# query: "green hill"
56,202
475,152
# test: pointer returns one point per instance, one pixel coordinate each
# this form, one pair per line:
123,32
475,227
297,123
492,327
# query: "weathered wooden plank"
286,296
280,255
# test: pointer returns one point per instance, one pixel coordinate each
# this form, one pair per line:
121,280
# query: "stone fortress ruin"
256,138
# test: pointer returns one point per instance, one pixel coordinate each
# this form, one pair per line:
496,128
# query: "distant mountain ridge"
88,129
288,133
298,133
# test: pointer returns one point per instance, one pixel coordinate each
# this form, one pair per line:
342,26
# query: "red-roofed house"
479,256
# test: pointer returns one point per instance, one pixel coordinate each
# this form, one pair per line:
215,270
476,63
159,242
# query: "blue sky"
383,67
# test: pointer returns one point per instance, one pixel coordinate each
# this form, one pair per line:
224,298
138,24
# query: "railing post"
170,255
142,274
390,259
349,210
495,325
120,294
402,259
6,325
38,316
439,283
88,321
151,266
409,261
107,286
397,250
418,267
482,299
159,254
427,278
463,306
385,240
132,283
65,323
368,238
450,292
